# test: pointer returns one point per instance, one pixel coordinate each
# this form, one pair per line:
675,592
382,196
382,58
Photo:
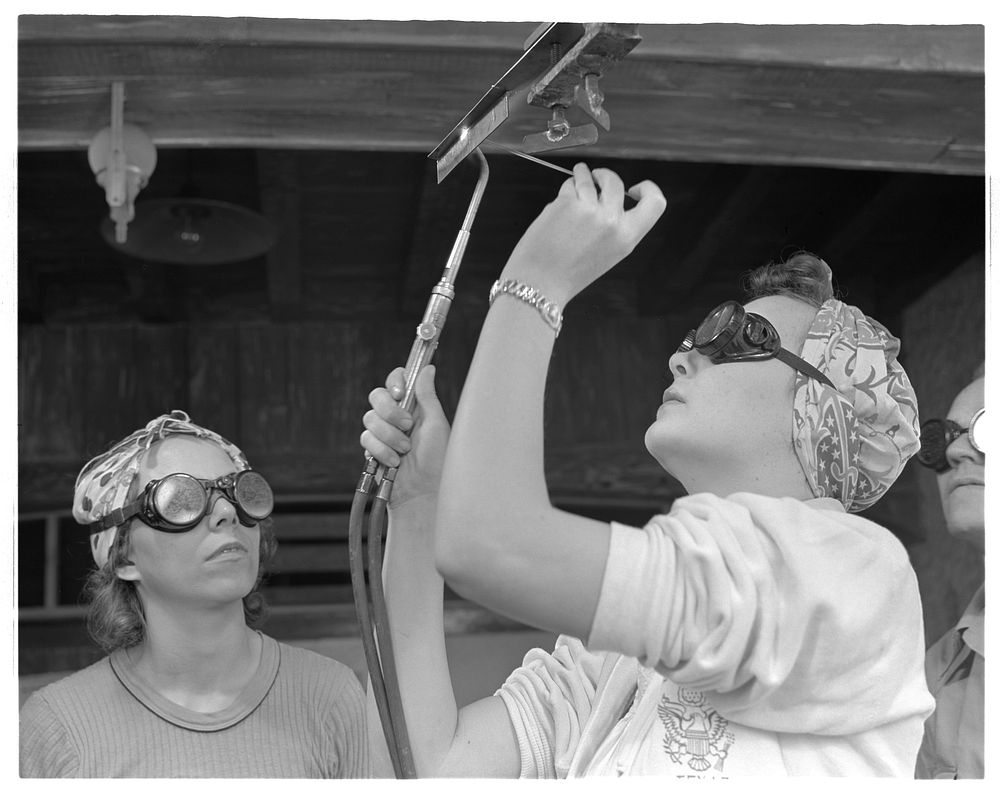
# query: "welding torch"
375,485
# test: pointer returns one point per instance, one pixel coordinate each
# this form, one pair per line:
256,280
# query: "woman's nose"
676,364
961,450
685,363
221,511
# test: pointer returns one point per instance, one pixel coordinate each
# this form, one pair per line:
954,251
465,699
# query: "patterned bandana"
852,442
104,482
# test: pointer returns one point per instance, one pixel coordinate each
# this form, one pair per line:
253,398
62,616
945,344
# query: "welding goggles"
731,334
937,435
178,502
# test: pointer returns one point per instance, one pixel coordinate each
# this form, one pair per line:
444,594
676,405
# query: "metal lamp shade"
192,232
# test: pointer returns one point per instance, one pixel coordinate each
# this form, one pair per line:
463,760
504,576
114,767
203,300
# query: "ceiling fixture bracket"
122,157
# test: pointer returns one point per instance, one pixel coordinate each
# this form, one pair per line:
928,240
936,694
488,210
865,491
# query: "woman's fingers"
387,425
384,437
584,181
387,407
649,207
387,432
611,185
395,383
568,188
375,447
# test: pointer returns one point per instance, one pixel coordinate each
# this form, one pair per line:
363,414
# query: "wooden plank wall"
292,396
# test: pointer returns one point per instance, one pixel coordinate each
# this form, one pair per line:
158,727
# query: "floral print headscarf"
852,442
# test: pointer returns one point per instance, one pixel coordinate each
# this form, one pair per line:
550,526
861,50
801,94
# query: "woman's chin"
651,442
660,451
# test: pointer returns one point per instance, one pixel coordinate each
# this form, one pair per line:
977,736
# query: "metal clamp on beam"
573,80
561,66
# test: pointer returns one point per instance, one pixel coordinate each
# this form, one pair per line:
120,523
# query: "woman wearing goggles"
181,533
955,448
179,501
744,632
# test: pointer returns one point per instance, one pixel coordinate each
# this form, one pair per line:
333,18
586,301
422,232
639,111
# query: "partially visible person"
955,447
180,533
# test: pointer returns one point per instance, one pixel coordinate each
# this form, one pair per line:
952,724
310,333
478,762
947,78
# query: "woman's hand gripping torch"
376,482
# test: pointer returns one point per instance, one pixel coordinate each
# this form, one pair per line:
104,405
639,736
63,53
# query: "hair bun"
827,273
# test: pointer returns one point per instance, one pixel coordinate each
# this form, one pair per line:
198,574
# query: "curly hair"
803,275
115,617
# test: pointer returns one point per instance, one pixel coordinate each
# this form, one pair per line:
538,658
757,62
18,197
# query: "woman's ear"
124,568
128,571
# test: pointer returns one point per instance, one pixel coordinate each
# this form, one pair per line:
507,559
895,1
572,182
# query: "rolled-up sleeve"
797,619
549,699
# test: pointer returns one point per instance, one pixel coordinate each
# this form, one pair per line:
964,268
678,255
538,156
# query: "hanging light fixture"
193,231
186,230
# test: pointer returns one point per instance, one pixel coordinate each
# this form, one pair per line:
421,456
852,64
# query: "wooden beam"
946,49
873,97
923,48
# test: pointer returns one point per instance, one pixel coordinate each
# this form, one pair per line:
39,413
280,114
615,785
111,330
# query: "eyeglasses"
178,502
937,435
731,334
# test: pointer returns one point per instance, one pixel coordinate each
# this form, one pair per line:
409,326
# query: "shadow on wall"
944,336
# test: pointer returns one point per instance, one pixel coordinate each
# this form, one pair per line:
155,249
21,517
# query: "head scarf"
104,482
852,442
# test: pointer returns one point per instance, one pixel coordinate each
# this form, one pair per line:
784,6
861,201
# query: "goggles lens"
253,495
719,327
179,499
937,435
730,333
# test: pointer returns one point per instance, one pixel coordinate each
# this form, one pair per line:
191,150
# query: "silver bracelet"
549,310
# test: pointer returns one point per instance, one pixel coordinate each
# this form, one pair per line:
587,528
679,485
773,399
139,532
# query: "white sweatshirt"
746,636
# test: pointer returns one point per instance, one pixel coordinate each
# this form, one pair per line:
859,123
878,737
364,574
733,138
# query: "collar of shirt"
971,627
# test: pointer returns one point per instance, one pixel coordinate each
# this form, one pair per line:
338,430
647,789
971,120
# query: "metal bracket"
562,62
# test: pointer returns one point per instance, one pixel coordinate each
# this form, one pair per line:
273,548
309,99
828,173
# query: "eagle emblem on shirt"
696,735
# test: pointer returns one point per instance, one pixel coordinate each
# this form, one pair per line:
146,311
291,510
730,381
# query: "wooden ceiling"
864,143
880,96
